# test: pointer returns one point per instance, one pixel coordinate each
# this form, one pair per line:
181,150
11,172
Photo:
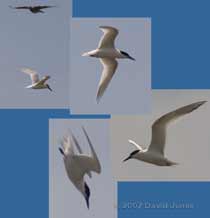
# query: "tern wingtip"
204,102
98,98
200,103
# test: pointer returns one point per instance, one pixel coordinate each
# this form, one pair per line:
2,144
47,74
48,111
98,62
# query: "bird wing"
20,7
108,38
76,143
159,127
109,68
33,74
89,163
45,6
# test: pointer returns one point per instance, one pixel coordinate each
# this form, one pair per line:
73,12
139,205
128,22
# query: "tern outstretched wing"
45,6
159,127
109,68
20,7
33,74
107,40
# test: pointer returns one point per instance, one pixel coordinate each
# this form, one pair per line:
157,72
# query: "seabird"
34,9
77,165
154,154
108,54
36,82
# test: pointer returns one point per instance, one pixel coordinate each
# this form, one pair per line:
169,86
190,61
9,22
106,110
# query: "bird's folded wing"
109,68
33,74
160,125
107,40
87,164
76,143
94,158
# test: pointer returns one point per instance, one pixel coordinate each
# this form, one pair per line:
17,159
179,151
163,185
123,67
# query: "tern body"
108,54
155,152
153,158
78,165
36,82
105,53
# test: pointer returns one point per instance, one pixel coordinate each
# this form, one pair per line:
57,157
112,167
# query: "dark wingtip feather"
200,103
197,105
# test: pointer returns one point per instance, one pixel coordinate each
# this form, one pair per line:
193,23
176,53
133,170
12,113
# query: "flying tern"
108,54
154,154
77,165
34,9
36,82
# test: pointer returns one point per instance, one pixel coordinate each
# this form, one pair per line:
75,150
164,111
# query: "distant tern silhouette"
33,9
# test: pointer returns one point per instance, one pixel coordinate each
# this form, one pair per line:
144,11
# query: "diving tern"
108,54
155,152
77,165
36,82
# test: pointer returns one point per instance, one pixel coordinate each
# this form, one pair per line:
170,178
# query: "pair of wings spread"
159,127
109,64
34,76
87,163
39,7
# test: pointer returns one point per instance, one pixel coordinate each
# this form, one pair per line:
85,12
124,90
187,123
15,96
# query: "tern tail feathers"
171,163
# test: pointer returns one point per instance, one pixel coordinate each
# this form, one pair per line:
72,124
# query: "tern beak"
87,202
87,195
49,88
128,158
61,150
133,59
